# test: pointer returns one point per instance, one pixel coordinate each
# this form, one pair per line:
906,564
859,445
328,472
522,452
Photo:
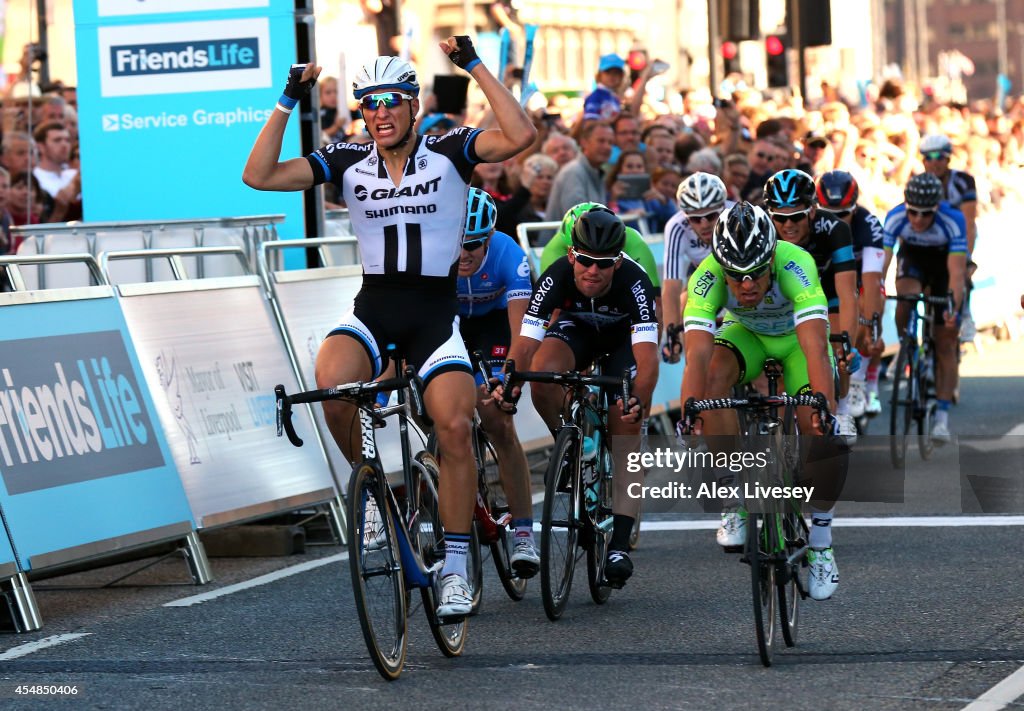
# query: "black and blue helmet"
789,188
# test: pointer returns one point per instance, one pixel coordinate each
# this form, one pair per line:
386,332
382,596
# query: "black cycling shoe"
618,568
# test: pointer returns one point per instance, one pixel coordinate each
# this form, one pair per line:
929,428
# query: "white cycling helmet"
935,142
391,72
701,191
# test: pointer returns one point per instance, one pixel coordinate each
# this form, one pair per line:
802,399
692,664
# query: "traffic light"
738,20
731,57
777,62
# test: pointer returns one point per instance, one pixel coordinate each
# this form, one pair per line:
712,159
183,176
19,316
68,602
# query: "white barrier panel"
212,354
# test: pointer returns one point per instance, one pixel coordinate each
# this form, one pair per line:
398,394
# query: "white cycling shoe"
847,428
733,531
874,406
940,433
525,560
823,573
456,597
857,399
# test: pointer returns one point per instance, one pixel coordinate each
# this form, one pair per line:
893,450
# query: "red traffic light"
774,46
729,50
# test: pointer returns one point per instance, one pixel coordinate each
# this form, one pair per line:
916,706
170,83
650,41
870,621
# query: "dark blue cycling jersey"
503,276
947,232
867,232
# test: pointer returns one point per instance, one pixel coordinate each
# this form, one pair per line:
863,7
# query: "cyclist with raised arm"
960,190
605,305
932,259
407,195
701,198
789,197
494,289
837,194
776,309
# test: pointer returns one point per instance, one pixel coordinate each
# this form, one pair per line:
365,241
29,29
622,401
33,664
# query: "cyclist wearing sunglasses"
605,305
406,195
837,193
961,192
635,247
701,198
494,289
932,257
789,196
776,309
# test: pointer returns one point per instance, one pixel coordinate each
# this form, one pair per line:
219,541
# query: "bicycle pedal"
452,619
617,585
732,549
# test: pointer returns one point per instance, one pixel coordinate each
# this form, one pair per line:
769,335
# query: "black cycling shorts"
611,348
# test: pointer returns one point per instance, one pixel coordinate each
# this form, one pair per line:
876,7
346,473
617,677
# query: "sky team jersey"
683,250
628,306
831,245
414,228
635,248
868,240
795,296
960,188
503,276
948,230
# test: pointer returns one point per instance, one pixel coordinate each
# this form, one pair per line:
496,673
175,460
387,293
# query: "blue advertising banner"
172,94
83,458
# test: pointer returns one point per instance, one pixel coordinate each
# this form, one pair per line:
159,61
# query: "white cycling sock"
843,406
862,372
821,529
942,416
456,547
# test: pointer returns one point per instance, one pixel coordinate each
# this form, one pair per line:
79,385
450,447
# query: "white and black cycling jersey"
627,308
413,228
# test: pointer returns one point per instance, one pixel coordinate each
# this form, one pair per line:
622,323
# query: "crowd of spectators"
618,146
39,167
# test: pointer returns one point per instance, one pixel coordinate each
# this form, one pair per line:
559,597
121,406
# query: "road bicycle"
777,535
396,539
577,514
913,378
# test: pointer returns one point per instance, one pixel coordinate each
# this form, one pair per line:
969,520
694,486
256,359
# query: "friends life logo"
184,57
72,410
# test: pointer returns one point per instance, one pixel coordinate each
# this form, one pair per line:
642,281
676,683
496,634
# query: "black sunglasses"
918,212
752,275
472,245
791,217
837,213
817,144
703,217
587,261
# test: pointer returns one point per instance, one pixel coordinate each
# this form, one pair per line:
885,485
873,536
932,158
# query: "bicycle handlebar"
358,392
693,407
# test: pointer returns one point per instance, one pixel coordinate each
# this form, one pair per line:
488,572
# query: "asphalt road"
927,616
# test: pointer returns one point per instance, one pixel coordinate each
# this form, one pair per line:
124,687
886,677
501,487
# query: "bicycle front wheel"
376,567
901,408
428,540
762,579
601,523
496,506
560,522
925,407
791,576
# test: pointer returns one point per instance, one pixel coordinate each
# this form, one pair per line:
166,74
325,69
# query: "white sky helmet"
935,142
701,191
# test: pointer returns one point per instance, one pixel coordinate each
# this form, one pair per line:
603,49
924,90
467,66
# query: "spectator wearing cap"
604,103
819,155
435,125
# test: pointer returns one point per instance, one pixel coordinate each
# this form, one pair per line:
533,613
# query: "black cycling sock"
621,531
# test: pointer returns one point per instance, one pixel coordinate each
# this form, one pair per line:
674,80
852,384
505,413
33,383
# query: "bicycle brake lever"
284,416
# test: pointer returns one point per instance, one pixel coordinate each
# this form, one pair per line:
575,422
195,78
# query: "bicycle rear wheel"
501,549
428,539
560,522
925,407
600,520
378,584
762,579
790,583
901,408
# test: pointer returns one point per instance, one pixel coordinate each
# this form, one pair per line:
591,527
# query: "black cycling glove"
295,89
464,56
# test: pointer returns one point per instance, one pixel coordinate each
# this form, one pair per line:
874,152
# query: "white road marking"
23,650
889,522
256,582
1001,695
